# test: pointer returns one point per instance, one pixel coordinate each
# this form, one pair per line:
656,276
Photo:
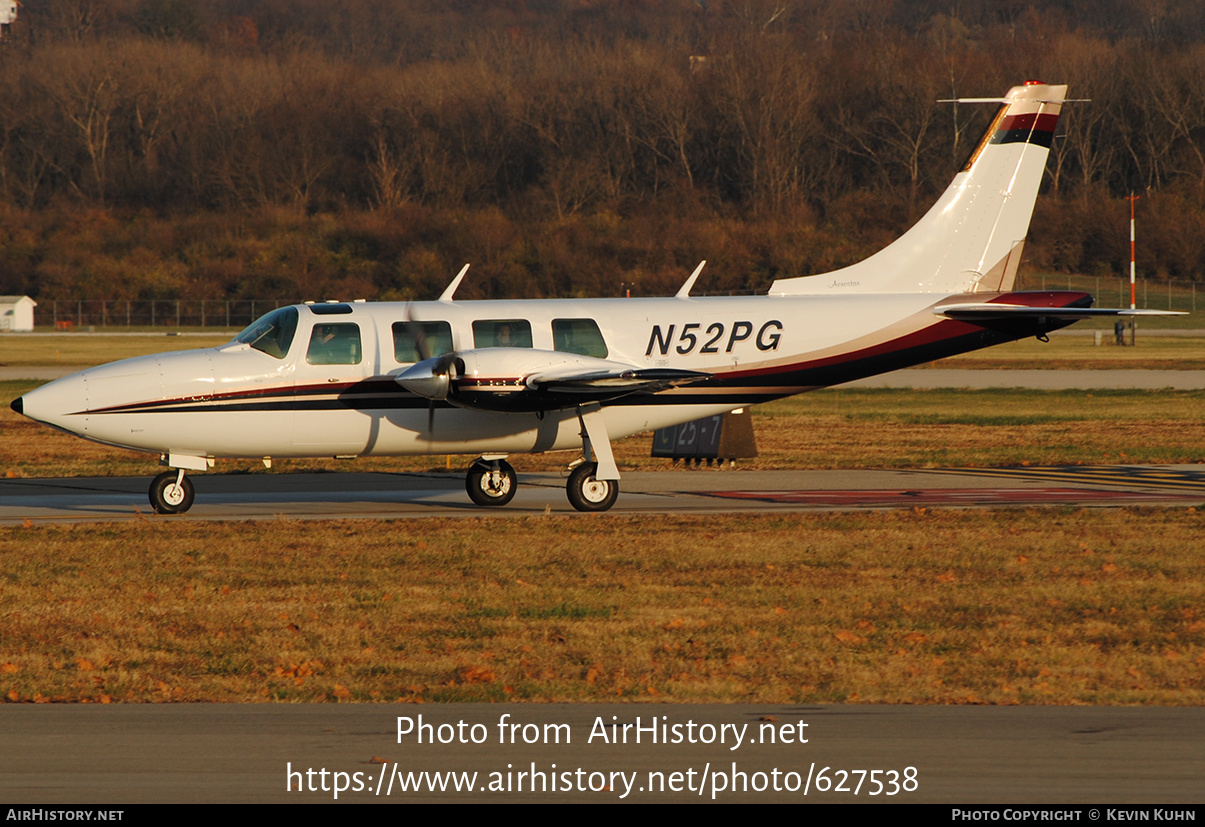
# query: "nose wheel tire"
491,486
589,494
170,494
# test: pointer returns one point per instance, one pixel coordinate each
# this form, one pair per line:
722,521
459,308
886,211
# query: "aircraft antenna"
446,295
684,290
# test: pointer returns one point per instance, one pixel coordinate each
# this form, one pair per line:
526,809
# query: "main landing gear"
592,486
491,482
588,493
172,492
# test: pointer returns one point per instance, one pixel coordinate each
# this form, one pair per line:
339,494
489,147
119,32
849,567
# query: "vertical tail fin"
971,239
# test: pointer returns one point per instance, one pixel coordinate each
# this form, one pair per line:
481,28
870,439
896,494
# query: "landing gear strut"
491,482
171,492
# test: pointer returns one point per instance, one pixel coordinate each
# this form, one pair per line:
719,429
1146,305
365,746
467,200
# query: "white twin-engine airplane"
495,378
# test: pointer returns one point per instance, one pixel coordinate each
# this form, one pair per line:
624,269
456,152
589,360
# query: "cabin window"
334,344
580,336
330,309
502,333
273,333
416,341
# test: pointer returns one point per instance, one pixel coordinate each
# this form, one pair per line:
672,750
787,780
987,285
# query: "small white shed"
16,314
8,12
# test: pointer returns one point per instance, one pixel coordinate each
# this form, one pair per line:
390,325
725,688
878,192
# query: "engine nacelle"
514,380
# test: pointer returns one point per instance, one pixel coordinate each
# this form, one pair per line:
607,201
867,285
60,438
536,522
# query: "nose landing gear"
171,492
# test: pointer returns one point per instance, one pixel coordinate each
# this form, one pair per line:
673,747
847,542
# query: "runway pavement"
699,491
964,755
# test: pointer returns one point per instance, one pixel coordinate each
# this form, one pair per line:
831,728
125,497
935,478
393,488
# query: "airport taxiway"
697,491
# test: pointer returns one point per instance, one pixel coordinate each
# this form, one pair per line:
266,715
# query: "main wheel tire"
485,490
589,494
168,497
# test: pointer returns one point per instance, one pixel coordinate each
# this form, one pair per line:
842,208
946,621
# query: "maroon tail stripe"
1045,122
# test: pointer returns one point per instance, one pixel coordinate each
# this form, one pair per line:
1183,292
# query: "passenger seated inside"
502,333
334,344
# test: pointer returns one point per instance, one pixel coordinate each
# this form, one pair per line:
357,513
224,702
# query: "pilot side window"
271,334
416,341
578,336
502,333
334,344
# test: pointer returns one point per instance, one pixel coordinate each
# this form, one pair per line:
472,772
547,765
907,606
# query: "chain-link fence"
233,314
1114,291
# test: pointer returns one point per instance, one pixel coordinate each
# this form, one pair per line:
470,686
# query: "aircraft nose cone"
55,403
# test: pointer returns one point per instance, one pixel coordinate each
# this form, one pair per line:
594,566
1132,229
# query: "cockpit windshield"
272,333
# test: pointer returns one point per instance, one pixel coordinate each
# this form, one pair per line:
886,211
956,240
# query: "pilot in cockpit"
334,345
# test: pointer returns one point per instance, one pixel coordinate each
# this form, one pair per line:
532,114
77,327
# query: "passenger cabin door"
334,395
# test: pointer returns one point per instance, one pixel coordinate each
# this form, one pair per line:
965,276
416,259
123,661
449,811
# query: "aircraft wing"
573,379
988,311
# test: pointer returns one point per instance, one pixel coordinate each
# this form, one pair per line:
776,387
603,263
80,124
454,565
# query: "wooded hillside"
367,148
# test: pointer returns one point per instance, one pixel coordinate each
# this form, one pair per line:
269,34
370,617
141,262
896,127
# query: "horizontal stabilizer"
984,311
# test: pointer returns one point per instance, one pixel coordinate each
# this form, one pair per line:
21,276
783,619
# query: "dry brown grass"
1032,606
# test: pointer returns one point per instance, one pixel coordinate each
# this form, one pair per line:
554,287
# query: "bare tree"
886,114
84,88
766,93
